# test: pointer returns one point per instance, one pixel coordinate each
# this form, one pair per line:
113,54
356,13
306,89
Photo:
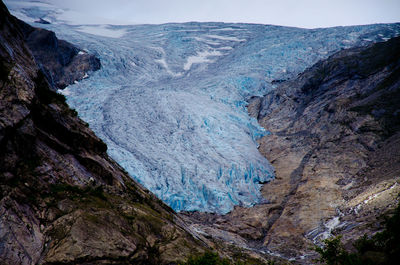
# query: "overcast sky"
299,13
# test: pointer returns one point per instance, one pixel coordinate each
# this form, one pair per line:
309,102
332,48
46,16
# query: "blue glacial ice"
170,100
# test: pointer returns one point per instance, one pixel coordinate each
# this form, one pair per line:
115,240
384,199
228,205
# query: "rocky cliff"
60,61
62,199
335,146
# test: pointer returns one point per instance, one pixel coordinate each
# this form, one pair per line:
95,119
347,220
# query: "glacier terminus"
170,100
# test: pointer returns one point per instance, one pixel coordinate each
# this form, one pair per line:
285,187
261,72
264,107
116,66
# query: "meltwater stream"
170,100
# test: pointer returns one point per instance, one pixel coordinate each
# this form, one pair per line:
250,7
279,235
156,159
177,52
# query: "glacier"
170,100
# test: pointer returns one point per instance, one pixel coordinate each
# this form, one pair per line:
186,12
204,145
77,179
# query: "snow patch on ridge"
200,57
227,38
102,30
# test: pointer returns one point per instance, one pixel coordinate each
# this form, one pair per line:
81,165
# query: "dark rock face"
335,146
62,199
62,62
42,21
334,123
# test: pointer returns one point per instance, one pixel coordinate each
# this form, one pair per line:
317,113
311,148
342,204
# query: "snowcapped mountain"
170,100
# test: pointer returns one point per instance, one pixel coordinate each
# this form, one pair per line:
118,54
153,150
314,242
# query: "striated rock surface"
335,146
62,199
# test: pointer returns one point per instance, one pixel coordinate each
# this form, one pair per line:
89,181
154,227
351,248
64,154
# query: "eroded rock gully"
335,146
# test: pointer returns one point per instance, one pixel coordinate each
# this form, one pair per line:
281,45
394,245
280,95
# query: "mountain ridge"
63,199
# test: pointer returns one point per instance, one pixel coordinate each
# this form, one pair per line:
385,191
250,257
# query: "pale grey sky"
299,13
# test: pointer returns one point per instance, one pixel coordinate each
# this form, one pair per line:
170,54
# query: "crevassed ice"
170,101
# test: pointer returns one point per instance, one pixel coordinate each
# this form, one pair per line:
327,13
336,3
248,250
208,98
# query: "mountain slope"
338,125
335,146
62,199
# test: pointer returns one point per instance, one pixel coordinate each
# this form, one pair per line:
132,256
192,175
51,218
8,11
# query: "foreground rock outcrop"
62,199
335,146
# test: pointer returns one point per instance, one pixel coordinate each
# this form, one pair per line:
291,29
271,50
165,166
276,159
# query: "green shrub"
333,253
207,258
383,248
69,191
